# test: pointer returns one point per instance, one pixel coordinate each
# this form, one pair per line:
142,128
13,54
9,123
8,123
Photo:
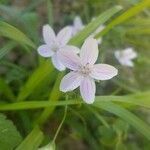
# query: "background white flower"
54,44
84,71
125,56
77,25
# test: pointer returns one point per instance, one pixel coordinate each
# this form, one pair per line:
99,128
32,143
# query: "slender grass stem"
58,130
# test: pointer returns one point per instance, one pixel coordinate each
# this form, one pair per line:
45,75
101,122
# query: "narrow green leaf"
92,26
126,115
141,99
13,33
53,97
50,146
139,31
139,21
6,90
32,141
50,12
36,104
125,16
35,80
7,48
98,116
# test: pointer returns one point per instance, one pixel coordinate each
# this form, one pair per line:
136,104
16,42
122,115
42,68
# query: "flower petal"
70,81
103,72
125,57
87,90
117,54
64,35
71,48
129,53
69,58
128,63
57,63
78,24
45,51
49,35
89,51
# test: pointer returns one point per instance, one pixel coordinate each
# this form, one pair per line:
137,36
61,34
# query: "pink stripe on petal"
64,35
70,48
70,81
57,63
87,90
89,51
70,59
103,72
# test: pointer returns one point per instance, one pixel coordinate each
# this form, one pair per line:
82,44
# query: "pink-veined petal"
57,63
103,72
89,51
45,51
87,90
49,35
69,59
70,81
64,35
71,48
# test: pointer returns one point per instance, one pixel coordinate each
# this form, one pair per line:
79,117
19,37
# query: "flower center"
55,48
85,70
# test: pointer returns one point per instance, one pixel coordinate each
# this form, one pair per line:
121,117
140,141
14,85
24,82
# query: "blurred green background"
85,127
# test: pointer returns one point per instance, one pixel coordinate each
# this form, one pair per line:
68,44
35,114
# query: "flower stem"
58,130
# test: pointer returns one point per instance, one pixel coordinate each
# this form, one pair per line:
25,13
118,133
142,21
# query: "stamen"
85,70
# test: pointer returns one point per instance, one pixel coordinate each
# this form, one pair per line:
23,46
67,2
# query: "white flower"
98,30
84,70
77,25
54,44
125,56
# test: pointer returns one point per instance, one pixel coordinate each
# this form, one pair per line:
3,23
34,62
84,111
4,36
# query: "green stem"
64,117
36,104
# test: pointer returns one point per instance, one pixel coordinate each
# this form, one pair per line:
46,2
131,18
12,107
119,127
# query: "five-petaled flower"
54,44
84,70
125,56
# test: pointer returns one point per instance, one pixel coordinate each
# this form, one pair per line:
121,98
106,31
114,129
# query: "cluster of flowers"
84,72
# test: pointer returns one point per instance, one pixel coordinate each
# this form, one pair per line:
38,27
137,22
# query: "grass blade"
7,48
33,141
92,26
141,99
126,115
35,80
6,90
13,33
125,16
